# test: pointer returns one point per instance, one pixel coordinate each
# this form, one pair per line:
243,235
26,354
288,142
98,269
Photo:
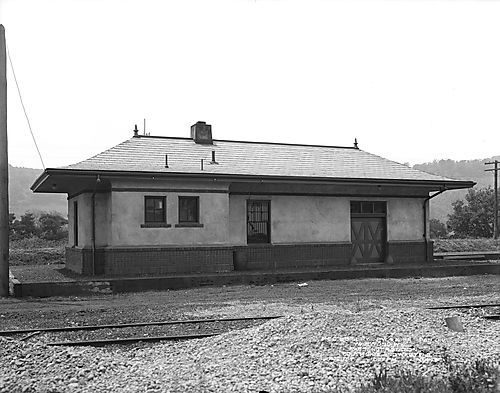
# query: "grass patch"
477,377
466,245
36,251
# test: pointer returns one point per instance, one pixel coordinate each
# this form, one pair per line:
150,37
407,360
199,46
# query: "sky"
413,81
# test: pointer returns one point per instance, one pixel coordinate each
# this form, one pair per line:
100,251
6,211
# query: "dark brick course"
147,261
410,252
289,256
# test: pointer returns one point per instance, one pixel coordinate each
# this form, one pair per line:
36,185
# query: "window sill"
189,225
156,225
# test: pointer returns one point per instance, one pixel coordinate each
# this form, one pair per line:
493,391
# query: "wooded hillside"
460,170
22,199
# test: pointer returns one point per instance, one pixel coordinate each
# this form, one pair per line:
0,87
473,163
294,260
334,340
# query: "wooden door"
368,231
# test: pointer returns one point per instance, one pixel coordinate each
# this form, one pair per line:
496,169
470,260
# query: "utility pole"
496,208
4,172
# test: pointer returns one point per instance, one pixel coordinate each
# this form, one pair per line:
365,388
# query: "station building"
167,205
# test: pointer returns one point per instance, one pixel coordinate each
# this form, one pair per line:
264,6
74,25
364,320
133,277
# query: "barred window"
258,221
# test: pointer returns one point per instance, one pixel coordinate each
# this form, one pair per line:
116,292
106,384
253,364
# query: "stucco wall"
128,215
296,219
405,219
303,219
84,221
102,219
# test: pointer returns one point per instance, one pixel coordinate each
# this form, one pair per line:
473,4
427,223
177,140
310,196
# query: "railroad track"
483,305
239,322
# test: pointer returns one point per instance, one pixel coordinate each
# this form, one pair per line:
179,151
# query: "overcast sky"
412,80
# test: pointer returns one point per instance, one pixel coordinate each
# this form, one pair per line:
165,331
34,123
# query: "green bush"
36,251
466,245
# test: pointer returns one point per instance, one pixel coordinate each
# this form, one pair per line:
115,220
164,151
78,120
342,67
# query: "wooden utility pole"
4,172
496,208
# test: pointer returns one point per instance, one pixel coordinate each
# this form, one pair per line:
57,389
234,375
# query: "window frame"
155,224
183,223
361,212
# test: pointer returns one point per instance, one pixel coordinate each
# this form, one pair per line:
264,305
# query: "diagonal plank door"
368,238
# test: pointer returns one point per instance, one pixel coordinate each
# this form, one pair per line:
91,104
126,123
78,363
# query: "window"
258,219
368,207
75,224
154,211
189,210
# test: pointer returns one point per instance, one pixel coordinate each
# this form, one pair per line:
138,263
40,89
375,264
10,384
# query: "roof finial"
136,131
356,143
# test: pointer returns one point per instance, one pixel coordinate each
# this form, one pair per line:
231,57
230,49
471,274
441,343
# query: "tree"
52,226
26,227
438,229
475,216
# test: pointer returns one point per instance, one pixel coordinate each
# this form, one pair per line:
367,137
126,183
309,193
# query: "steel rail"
463,306
131,340
125,325
492,317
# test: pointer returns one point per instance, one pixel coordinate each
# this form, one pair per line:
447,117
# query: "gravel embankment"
307,351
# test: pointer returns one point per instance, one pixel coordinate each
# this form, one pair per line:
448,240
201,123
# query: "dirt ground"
278,299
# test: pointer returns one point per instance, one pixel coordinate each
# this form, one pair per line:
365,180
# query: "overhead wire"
24,108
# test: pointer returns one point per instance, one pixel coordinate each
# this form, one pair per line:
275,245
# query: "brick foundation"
410,252
293,256
144,261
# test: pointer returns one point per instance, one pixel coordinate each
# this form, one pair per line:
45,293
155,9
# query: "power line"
24,109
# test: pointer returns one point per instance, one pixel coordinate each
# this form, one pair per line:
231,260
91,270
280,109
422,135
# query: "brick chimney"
201,132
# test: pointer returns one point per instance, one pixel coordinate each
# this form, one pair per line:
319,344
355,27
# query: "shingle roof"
147,154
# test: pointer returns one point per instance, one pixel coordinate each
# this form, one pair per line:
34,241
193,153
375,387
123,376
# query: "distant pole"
4,172
496,229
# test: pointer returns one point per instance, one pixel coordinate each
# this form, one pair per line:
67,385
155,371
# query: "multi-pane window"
154,211
368,207
189,210
258,222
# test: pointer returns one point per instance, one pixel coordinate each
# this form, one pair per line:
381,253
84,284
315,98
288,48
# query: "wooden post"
496,229
496,200
4,172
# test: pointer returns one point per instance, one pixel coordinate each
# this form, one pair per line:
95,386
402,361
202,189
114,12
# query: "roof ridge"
252,142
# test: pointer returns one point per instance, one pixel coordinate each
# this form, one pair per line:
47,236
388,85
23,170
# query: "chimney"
201,132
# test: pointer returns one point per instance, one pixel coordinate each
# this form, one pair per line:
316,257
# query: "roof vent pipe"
136,131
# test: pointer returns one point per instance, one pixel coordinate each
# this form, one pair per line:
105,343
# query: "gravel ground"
334,336
307,352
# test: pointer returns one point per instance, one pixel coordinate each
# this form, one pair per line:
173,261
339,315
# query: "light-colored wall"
296,219
128,215
305,219
84,220
405,219
103,210
102,219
